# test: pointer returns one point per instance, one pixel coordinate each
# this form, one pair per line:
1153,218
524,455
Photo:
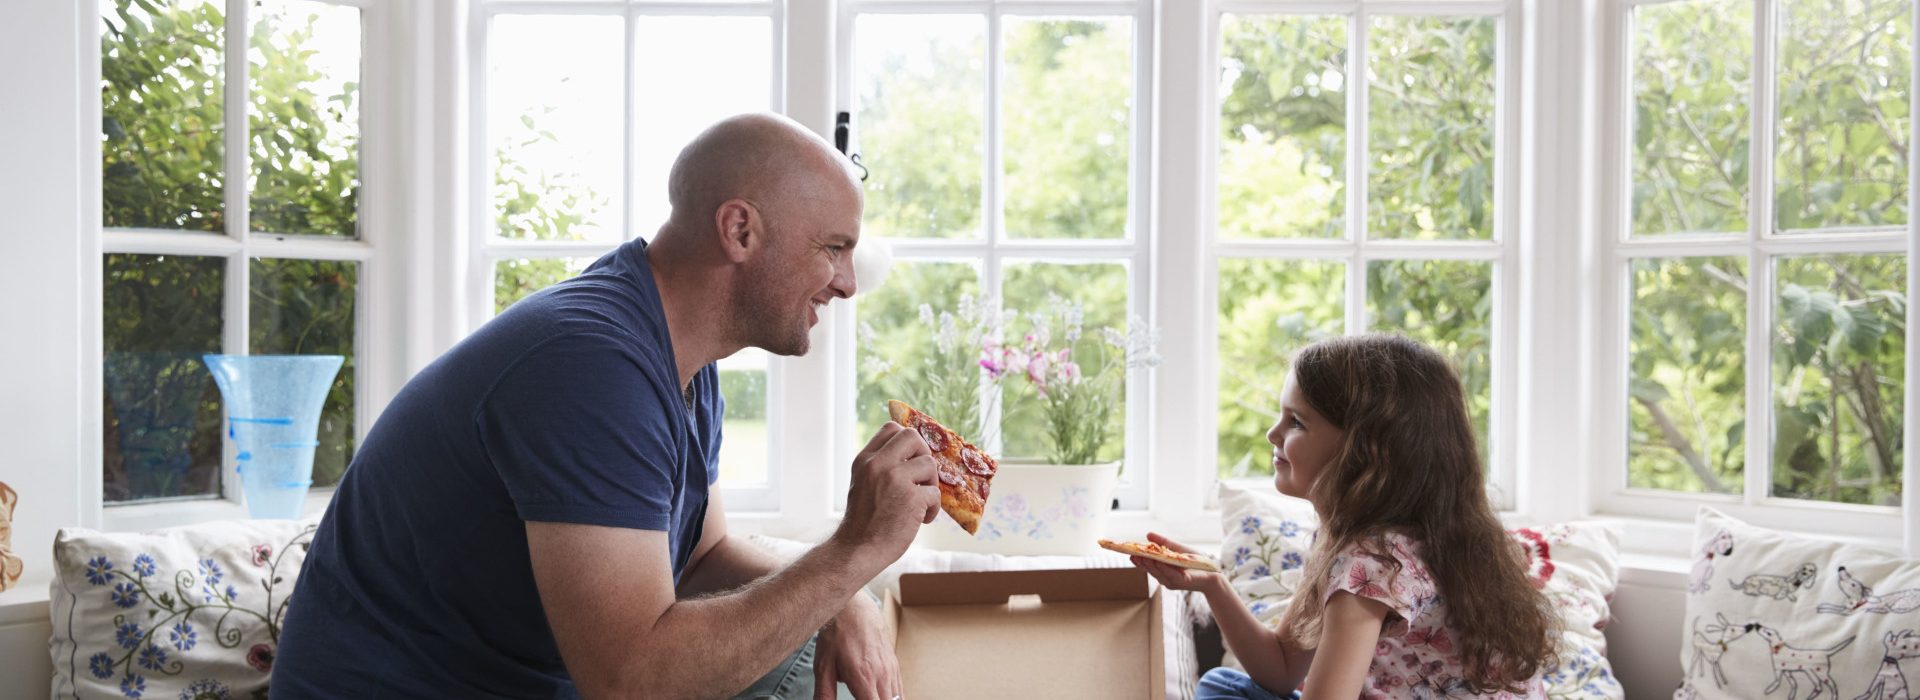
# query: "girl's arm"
1269,659
1349,630
1271,662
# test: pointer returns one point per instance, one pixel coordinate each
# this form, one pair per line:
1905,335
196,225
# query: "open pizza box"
1091,633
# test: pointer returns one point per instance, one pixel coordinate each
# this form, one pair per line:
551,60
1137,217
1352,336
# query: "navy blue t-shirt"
565,408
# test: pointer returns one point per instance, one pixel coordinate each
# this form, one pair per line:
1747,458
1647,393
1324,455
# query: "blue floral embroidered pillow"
191,612
1264,540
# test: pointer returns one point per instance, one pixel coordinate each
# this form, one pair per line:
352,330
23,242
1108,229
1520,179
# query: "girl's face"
1303,442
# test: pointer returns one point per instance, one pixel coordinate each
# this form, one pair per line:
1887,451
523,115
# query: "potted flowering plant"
1067,379
1075,376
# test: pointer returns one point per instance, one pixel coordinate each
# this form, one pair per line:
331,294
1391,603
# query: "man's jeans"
791,680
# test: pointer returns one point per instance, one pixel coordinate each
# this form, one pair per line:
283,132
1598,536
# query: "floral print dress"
1415,657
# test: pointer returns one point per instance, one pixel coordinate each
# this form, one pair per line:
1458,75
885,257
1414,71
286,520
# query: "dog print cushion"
186,612
1775,615
1266,538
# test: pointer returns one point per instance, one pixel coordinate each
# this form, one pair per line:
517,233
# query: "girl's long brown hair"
1409,464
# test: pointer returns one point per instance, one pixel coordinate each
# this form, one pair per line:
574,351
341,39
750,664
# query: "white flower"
947,334
926,314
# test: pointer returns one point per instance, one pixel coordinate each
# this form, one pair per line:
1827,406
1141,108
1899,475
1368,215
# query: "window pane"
678,98
898,358
162,411
514,279
922,85
306,307
162,120
304,127
1839,358
1098,292
1430,130
744,451
1845,76
1686,392
1691,97
1447,305
1268,309
1283,127
1068,107
553,122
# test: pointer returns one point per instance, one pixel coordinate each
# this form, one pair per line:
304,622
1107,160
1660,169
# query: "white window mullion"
1759,440
991,220
630,77
1358,169
238,182
479,282
1504,355
992,263
1910,486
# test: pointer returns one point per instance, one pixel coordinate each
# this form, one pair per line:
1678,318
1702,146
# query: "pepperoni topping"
976,463
983,490
935,437
949,478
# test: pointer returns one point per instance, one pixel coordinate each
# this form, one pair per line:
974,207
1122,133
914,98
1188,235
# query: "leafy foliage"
163,125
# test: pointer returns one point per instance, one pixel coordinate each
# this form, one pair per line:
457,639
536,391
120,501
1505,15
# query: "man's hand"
854,649
894,491
1174,577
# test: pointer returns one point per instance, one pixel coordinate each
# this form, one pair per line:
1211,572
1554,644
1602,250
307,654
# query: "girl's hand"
1174,577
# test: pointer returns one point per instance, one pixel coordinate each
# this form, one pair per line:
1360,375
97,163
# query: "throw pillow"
1266,538
188,612
1769,611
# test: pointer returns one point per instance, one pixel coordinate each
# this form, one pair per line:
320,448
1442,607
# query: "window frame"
1655,512
994,250
1503,251
484,250
238,246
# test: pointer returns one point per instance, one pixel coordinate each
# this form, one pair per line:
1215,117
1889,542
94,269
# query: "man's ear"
740,229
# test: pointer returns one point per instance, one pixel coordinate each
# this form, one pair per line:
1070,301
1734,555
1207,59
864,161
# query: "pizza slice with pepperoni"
965,470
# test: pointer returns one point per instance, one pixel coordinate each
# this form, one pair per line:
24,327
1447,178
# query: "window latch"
842,130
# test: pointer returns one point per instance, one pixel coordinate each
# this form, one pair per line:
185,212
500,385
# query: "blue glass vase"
273,407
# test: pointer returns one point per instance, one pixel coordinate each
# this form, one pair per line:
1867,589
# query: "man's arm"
623,632
721,562
854,646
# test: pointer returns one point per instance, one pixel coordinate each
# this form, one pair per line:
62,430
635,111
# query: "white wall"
42,306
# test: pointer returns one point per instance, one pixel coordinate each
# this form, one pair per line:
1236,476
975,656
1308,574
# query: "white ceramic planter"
1035,509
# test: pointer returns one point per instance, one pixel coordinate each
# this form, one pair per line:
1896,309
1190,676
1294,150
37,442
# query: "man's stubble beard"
757,315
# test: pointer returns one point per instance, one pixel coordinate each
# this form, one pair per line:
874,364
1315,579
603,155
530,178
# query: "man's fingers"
825,676
887,431
933,503
905,444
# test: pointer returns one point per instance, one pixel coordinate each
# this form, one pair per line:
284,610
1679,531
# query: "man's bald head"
765,159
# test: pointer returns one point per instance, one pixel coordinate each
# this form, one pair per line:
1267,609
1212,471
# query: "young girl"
1413,589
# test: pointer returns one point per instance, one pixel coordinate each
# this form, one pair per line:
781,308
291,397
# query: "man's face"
807,263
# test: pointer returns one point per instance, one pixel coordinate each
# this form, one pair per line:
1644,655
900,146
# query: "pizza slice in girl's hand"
1156,552
965,471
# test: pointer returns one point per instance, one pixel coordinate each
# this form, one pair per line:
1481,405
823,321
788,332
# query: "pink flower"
262,553
1037,371
993,359
260,657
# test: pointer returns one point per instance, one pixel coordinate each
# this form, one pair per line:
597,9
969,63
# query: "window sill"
145,517
25,604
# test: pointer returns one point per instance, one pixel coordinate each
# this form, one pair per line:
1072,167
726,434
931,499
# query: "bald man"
533,516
